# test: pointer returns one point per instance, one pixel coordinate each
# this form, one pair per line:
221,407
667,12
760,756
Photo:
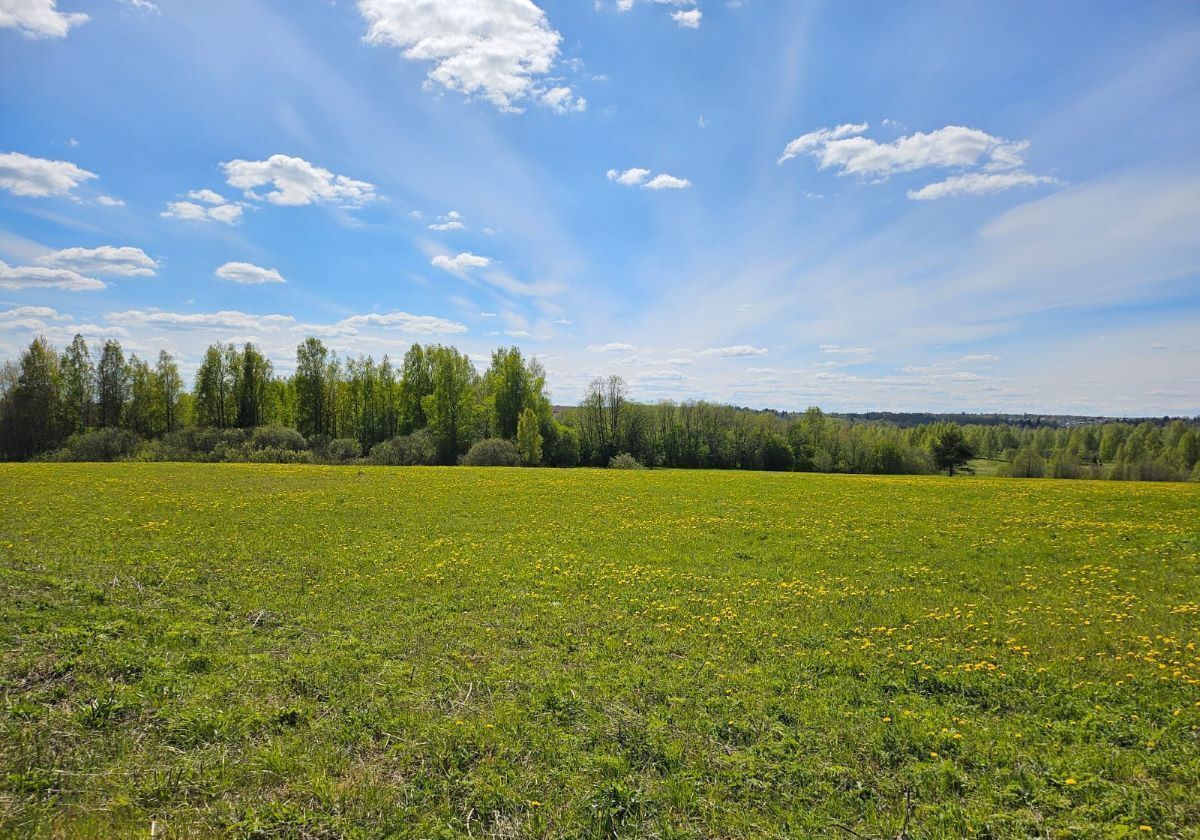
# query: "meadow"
199,650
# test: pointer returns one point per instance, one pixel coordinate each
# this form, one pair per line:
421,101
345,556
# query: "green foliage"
949,448
492,452
529,438
437,391
277,437
99,445
304,651
342,451
416,450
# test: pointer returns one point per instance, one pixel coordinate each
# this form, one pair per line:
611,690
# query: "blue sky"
859,206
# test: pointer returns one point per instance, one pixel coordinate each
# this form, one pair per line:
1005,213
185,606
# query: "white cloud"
225,319
413,324
207,196
38,277
838,350
637,177
451,221
562,100
248,274
496,49
996,161
979,183
815,139
734,351
109,201
296,182
664,181
38,18
612,347
35,312
628,178
38,178
192,212
461,262
107,259
689,19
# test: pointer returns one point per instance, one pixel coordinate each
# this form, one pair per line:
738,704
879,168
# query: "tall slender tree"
112,384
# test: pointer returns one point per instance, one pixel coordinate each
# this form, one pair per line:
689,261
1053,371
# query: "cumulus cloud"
38,277
499,50
461,262
207,196
815,139
628,178
612,347
109,201
248,274
33,177
451,221
689,19
40,312
107,259
989,163
295,182
637,176
191,212
38,18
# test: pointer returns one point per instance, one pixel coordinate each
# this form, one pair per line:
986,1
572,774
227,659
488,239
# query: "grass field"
338,652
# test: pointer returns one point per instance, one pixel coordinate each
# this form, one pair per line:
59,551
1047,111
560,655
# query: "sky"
773,203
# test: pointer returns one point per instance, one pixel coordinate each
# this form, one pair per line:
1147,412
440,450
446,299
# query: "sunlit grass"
324,652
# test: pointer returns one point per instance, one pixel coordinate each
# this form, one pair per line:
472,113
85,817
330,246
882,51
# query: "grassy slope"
565,653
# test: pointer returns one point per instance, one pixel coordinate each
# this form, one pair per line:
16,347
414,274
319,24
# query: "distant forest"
434,407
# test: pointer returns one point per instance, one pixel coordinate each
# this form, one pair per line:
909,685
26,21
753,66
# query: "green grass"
339,652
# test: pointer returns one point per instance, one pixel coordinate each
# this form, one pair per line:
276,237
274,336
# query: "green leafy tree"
312,385
143,414
78,385
216,388
169,389
452,407
112,384
253,389
529,438
416,383
31,419
949,448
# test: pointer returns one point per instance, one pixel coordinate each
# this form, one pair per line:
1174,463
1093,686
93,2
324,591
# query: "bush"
276,455
625,461
99,445
277,437
416,450
342,450
492,452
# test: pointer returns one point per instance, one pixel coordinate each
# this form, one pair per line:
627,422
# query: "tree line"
434,407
